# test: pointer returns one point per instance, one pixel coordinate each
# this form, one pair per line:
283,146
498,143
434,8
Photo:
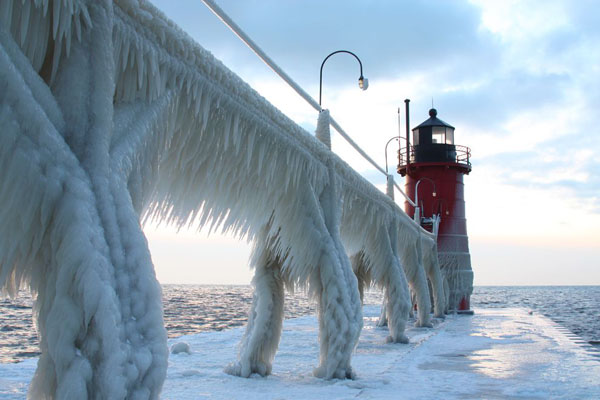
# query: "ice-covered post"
265,321
99,309
389,190
336,287
323,132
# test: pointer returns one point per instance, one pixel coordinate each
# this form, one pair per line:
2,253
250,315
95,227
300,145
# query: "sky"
520,81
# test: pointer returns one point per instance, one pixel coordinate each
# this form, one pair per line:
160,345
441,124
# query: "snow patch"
181,347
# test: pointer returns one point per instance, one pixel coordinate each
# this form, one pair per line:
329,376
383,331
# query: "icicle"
237,135
139,60
187,81
162,36
205,100
45,7
35,31
117,49
236,126
157,78
166,77
70,10
197,106
25,16
86,16
56,59
6,11
126,54
68,42
77,29
150,73
249,147
261,156
271,171
227,130
55,18
64,24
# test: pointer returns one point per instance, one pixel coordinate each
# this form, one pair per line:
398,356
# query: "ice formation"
181,347
111,115
458,276
265,321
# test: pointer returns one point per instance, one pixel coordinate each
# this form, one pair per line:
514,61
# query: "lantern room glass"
449,136
416,137
438,135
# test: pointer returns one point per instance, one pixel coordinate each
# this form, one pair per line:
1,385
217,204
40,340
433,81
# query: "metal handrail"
463,156
403,158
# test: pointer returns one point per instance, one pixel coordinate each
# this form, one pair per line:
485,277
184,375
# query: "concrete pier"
493,354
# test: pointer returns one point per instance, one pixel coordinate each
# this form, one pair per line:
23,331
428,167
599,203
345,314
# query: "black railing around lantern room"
435,153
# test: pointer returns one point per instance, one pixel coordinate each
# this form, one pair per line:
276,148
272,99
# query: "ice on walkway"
496,353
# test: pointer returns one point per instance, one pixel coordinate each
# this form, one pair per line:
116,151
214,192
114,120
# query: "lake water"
190,309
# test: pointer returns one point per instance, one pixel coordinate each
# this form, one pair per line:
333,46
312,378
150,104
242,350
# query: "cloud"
489,104
570,163
392,38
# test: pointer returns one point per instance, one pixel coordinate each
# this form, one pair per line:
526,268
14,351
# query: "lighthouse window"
438,135
449,136
415,137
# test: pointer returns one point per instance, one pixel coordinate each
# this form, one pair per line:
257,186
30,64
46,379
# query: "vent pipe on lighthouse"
406,101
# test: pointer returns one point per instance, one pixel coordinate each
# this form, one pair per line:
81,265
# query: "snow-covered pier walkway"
494,354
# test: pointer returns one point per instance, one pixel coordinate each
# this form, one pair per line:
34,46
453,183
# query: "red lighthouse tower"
434,167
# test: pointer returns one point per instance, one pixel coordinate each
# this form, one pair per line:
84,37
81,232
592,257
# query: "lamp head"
363,83
433,194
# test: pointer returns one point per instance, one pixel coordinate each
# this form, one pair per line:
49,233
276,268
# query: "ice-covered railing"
324,136
111,115
432,263
218,11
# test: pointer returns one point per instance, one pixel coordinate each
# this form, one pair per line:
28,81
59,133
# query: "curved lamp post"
386,150
390,178
363,82
417,216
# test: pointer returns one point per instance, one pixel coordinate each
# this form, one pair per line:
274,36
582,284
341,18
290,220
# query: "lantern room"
433,140
433,143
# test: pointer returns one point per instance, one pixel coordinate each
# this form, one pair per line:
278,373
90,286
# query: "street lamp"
390,178
386,150
363,82
417,216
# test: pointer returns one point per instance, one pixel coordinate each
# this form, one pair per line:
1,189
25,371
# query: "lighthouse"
434,168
